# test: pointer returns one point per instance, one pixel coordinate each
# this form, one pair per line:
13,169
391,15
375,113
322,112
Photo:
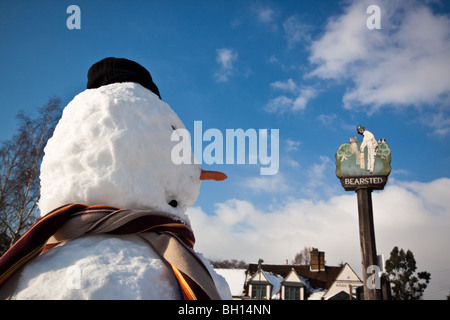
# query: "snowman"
113,205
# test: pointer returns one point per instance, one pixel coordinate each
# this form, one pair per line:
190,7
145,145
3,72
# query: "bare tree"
229,264
303,257
20,160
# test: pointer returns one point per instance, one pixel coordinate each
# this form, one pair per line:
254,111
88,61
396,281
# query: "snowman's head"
113,147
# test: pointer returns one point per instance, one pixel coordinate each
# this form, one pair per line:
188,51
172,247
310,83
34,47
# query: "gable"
347,274
260,277
317,279
293,277
346,281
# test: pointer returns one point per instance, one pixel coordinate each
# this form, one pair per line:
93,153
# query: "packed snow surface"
98,267
113,147
103,267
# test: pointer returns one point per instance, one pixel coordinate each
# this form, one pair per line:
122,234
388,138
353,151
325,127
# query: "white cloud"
283,104
291,162
342,44
405,63
306,94
439,121
279,105
317,181
288,85
264,14
318,169
296,31
284,67
292,145
225,58
410,215
273,184
326,119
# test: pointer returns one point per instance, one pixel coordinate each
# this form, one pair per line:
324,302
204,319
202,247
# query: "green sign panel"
368,162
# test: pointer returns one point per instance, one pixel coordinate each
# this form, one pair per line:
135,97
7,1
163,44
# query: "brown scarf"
169,237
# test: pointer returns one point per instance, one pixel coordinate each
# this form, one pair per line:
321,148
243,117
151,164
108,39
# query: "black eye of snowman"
173,203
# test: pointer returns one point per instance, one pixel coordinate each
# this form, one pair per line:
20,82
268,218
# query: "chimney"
317,260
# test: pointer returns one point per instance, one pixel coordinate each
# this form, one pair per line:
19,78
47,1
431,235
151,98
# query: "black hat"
112,70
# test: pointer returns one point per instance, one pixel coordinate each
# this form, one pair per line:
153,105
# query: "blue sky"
311,69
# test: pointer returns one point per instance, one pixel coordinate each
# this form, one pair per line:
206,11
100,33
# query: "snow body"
112,147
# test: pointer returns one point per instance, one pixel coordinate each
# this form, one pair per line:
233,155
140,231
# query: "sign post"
363,167
367,239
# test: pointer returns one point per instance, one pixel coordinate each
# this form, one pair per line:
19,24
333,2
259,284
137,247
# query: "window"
259,291
291,293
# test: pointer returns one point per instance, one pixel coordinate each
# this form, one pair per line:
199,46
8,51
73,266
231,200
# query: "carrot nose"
212,175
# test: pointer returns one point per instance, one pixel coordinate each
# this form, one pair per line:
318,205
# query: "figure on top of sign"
371,143
368,157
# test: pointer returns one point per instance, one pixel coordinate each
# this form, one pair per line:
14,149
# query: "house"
315,281
292,287
264,285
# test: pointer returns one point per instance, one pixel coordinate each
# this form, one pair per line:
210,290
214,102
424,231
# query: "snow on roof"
236,279
316,295
308,286
275,281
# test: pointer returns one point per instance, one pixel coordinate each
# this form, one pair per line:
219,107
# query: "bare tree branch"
20,161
